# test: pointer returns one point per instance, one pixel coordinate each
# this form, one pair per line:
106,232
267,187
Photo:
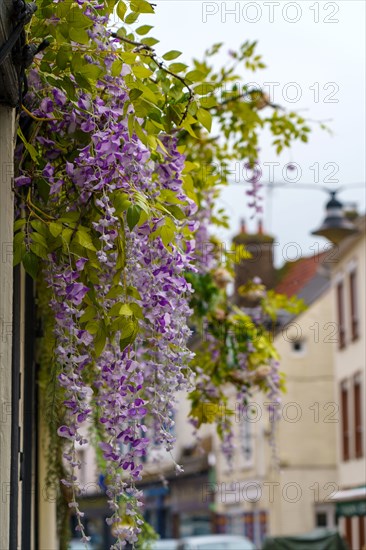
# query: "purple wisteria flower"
75,292
134,385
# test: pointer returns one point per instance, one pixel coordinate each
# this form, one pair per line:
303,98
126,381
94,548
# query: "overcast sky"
319,46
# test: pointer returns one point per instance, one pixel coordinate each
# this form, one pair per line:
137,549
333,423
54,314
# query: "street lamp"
336,226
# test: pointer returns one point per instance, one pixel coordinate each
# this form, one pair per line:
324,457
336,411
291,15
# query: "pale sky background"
306,52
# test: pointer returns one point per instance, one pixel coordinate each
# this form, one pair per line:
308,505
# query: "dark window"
348,531
321,519
29,456
297,346
361,531
353,302
358,427
24,457
345,422
246,439
340,309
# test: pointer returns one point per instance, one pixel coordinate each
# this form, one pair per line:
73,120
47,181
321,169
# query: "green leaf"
115,309
31,150
194,76
115,292
173,54
175,211
63,57
167,232
91,71
77,19
144,29
39,250
205,88
126,310
89,313
19,251
209,101
131,124
152,141
70,217
55,229
83,82
131,18
79,35
177,67
121,9
135,93
204,118
120,201
141,72
150,41
100,340
39,245
92,326
19,238
121,248
129,58
132,291
137,310
116,67
68,86
141,201
141,6
189,129
85,240
129,329
19,223
133,215
38,238
40,227
31,264
66,237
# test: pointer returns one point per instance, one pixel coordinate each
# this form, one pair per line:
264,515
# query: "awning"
359,493
351,508
319,539
350,502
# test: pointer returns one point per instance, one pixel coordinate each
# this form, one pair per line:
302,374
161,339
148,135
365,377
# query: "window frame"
355,333
345,421
358,428
341,314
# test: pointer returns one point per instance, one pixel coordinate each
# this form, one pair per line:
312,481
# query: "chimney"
243,228
259,265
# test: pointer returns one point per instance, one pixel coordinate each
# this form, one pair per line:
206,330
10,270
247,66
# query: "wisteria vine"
113,218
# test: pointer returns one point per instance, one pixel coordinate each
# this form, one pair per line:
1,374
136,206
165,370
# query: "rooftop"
295,275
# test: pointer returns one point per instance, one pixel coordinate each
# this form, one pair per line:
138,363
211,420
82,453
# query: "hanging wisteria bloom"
119,294
113,224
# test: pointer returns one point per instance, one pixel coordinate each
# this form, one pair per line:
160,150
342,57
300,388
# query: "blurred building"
257,498
306,436
348,293
173,501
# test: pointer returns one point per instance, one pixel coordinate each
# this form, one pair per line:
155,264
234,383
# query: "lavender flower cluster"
133,386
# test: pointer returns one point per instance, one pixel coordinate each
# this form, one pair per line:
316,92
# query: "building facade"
348,276
307,473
